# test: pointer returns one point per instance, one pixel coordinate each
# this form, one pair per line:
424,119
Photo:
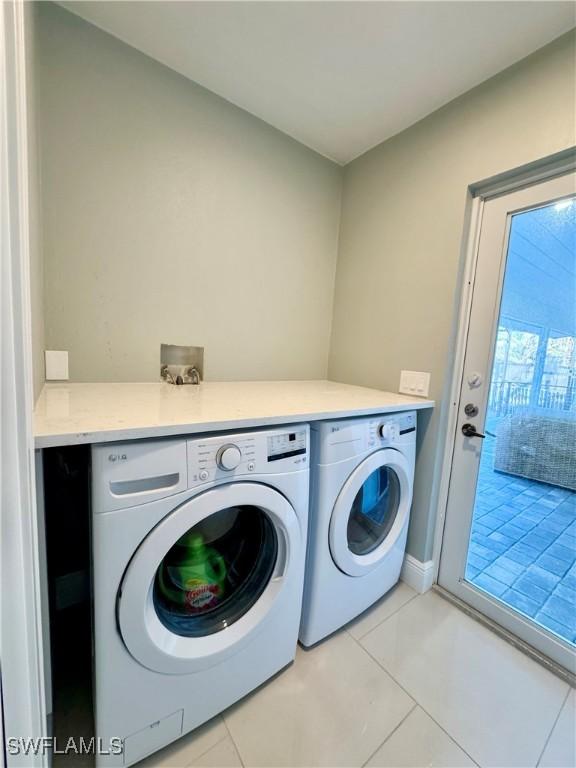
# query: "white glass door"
509,545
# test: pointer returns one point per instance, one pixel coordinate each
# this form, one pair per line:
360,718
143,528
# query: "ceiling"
339,77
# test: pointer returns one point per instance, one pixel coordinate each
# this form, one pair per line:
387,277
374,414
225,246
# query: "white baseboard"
418,575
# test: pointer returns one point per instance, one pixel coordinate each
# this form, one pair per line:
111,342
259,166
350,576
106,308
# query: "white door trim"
462,324
540,170
20,608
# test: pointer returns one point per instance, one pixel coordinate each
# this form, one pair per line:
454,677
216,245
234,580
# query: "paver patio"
523,546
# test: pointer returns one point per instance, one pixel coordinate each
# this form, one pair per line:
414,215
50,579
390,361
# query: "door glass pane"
522,549
216,571
373,512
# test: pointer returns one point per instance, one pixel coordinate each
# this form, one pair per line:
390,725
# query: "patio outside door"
509,546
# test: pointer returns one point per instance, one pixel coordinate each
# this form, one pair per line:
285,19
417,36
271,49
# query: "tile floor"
523,546
413,682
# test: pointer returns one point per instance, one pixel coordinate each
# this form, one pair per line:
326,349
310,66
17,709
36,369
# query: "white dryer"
362,473
198,565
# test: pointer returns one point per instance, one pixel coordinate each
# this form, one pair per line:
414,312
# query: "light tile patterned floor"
523,546
414,682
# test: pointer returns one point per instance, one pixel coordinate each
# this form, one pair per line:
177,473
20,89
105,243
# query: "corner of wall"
34,201
335,275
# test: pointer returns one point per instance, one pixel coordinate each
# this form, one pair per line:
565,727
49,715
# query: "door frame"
477,195
21,641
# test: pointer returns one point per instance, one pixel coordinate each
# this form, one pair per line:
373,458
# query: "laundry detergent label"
201,595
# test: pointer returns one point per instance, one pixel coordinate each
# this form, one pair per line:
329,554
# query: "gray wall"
401,229
172,216
36,245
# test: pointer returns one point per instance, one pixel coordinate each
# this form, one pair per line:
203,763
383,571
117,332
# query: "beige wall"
172,216
36,245
401,231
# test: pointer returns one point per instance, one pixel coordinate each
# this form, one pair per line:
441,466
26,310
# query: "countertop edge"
184,429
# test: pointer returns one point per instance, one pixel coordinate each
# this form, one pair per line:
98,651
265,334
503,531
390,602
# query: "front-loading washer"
362,473
198,554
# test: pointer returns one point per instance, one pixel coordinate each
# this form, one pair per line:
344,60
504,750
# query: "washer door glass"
373,511
216,571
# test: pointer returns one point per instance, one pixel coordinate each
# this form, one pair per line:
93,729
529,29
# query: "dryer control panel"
339,440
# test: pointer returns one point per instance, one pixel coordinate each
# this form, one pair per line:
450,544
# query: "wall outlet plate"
415,383
56,365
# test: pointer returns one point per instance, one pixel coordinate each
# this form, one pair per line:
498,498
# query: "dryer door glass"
216,571
374,510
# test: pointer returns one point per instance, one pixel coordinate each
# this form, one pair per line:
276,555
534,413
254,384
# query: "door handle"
469,430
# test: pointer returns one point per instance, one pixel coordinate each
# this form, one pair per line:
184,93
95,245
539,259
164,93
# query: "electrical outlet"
415,383
56,365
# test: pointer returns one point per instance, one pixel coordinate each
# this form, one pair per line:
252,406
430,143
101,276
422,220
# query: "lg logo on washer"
117,457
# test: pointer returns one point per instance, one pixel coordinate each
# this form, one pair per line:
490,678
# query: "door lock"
469,430
470,409
475,380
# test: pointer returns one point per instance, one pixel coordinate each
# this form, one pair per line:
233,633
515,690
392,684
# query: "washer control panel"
284,445
250,453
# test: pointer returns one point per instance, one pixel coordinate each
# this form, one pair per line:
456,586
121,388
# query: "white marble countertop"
70,414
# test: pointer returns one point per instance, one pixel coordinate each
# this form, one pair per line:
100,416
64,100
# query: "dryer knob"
228,457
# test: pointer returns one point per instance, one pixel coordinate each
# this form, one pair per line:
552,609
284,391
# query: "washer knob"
387,431
228,457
